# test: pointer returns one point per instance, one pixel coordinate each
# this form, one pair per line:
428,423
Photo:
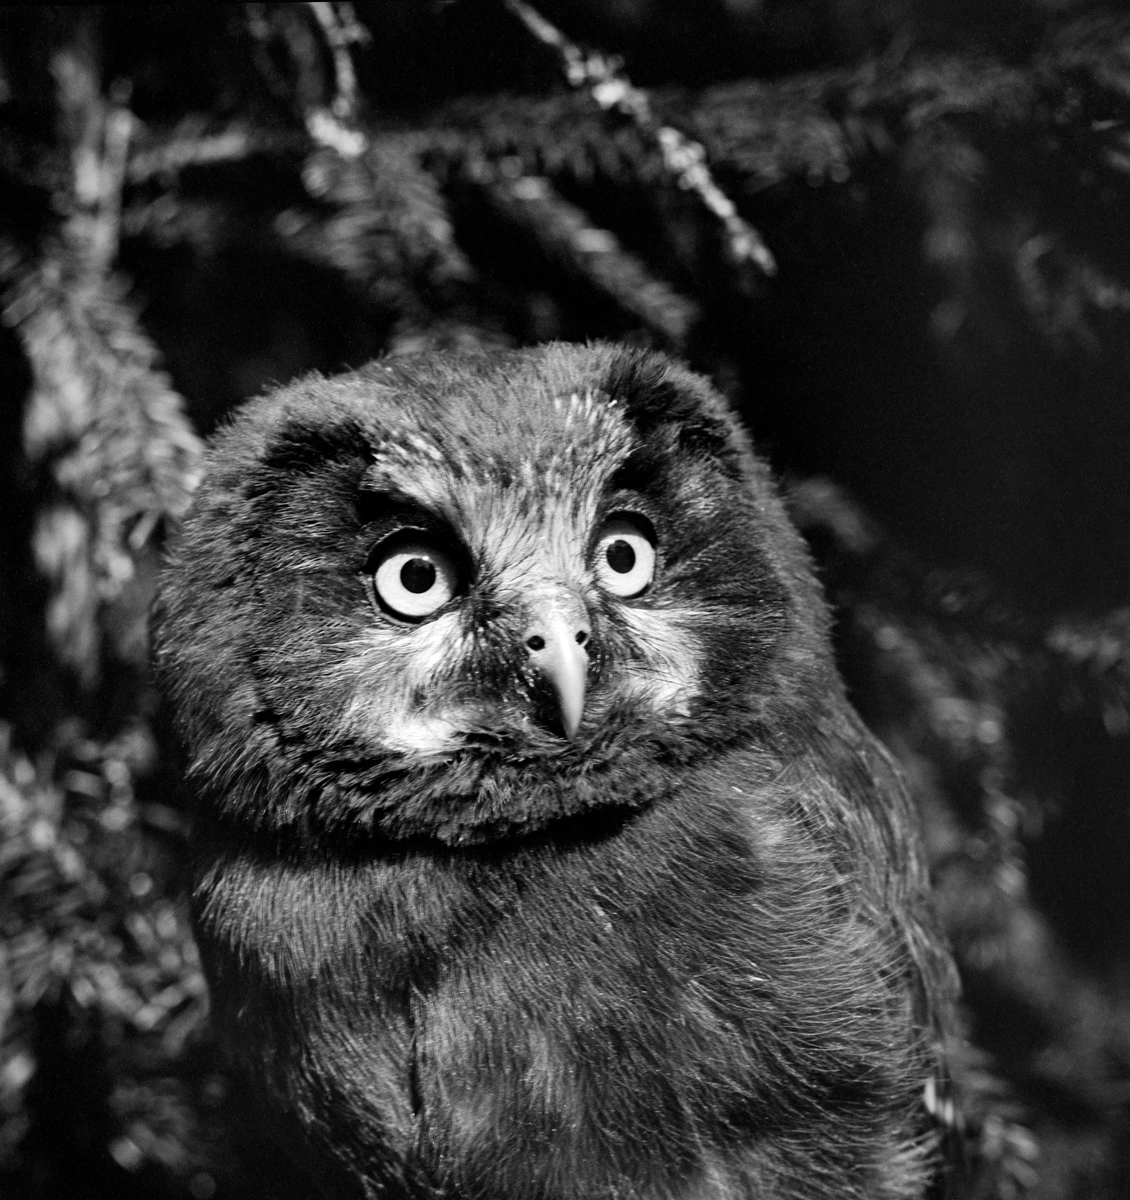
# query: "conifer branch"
684,158
342,30
568,237
105,425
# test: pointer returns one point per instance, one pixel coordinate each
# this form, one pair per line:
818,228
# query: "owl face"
464,599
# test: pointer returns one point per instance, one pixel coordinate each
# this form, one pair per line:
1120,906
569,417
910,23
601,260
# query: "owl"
539,853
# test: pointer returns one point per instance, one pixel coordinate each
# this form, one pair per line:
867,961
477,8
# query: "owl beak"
556,646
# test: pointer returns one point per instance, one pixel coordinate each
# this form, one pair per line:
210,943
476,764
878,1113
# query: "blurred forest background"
897,235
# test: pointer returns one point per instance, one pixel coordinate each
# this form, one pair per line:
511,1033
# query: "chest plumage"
540,852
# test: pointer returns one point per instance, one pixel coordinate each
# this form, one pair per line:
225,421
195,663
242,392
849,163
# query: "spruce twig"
100,138
335,126
103,424
342,30
567,236
188,145
684,158
331,122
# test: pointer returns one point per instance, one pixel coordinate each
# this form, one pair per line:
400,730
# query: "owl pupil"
417,575
621,557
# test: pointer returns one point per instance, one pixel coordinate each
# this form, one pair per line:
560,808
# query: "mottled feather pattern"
463,950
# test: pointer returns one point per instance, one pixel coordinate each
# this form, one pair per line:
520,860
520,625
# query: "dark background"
937,369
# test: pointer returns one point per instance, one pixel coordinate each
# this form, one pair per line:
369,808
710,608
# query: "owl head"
467,598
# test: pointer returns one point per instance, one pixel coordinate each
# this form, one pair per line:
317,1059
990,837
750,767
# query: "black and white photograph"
565,600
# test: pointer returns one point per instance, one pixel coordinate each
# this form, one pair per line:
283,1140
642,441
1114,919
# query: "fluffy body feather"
682,954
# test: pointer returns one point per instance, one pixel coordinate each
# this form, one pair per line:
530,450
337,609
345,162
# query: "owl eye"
625,555
413,577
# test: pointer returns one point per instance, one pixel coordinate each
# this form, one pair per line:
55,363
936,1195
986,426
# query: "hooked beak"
555,643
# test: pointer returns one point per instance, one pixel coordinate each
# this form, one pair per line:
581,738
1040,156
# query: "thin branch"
187,145
331,125
684,158
342,30
336,125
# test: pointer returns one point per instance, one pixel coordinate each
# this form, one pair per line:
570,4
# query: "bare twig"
187,145
342,30
683,157
336,126
331,124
